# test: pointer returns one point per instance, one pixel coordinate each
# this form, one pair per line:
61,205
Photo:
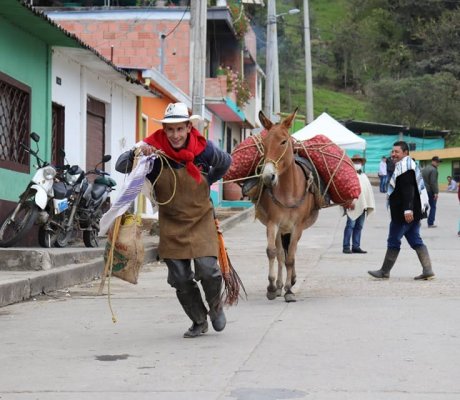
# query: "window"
14,123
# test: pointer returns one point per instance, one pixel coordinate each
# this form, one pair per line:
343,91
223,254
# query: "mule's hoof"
271,295
289,297
279,292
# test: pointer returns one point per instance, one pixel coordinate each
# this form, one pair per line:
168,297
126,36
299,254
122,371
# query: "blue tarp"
378,146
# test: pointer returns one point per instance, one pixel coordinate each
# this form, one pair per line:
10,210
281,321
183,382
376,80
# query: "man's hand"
409,216
147,149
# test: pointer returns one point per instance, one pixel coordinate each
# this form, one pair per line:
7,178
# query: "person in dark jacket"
408,202
186,166
430,177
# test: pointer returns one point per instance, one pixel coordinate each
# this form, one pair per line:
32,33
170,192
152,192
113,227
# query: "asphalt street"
348,336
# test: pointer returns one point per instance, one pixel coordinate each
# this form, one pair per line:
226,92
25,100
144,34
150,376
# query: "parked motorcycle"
87,201
43,200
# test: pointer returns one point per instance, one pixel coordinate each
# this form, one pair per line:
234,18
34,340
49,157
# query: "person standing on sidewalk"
408,201
430,176
383,174
186,166
363,206
390,170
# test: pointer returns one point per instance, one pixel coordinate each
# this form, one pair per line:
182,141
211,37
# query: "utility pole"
269,70
276,75
308,73
198,16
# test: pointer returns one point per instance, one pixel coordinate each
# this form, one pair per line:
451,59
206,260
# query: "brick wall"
136,43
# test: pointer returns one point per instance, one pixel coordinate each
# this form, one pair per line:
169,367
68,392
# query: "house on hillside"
157,39
54,84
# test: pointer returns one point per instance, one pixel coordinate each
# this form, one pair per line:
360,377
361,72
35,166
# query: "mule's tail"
285,241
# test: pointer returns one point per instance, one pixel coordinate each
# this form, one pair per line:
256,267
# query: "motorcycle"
43,200
87,202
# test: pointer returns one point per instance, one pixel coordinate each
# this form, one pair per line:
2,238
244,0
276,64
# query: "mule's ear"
287,122
266,123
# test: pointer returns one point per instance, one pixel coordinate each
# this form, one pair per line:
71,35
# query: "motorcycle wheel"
11,231
46,238
90,238
63,238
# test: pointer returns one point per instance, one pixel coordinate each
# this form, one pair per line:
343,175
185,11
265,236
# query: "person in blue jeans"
361,208
430,177
408,201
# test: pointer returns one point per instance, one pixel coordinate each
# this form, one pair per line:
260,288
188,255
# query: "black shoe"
196,330
219,321
347,251
358,250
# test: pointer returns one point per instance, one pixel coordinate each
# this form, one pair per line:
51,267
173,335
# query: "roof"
451,152
334,130
391,129
35,22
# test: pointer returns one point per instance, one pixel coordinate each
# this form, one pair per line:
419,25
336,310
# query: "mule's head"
277,145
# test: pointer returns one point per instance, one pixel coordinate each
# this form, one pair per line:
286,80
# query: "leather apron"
187,228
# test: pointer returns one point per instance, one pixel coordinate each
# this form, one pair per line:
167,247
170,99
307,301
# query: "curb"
20,285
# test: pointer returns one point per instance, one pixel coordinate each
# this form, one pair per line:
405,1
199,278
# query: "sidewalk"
26,272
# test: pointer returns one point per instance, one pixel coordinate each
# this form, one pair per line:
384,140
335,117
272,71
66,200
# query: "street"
348,336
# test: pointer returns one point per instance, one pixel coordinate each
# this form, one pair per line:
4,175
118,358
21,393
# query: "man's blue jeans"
410,231
383,183
353,231
432,214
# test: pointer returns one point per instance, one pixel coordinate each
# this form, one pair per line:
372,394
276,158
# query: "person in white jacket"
362,207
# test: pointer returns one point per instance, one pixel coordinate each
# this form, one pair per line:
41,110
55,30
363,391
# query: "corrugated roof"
35,22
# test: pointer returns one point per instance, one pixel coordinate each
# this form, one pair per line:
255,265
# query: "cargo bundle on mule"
333,170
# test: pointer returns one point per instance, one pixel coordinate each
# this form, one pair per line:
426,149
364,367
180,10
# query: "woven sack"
334,166
245,157
128,253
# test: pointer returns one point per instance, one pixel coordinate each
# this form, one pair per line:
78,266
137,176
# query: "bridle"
270,190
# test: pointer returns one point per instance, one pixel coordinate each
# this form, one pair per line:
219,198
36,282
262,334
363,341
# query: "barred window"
14,123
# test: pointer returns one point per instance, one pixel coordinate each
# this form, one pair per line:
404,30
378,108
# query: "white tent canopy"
334,130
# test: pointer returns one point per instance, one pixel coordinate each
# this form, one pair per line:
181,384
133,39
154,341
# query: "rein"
307,186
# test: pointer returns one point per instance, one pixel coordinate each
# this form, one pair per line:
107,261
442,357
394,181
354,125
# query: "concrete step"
27,272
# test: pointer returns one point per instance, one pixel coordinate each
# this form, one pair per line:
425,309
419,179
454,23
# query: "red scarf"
196,143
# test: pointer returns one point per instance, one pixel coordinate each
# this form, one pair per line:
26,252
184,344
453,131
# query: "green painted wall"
26,59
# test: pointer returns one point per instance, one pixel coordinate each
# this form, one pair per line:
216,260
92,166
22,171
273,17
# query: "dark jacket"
405,197
430,177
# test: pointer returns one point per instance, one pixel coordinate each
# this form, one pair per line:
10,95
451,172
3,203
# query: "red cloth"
334,166
245,158
330,160
195,145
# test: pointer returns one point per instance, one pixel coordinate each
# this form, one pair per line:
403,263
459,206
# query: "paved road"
347,336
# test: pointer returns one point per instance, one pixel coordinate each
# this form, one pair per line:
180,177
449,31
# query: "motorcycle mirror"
35,137
62,152
107,157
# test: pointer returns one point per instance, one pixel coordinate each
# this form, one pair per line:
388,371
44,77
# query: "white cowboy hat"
175,113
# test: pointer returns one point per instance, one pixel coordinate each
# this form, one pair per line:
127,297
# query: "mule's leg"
291,278
280,255
271,254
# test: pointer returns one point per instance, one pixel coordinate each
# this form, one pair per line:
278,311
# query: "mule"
287,204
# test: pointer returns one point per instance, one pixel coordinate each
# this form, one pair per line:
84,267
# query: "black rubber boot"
192,303
212,290
388,262
424,257
196,330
